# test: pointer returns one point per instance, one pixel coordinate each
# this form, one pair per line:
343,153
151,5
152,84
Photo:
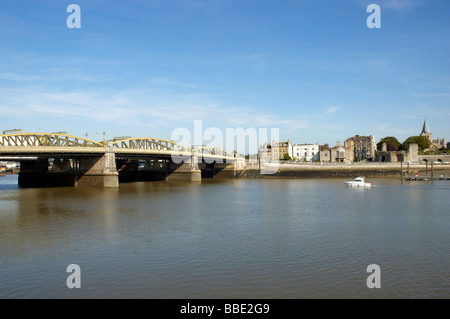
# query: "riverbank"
391,170
300,170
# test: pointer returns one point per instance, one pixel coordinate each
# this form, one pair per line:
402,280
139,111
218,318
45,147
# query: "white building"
265,153
305,152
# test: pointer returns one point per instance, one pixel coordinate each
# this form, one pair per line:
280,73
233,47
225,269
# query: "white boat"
358,182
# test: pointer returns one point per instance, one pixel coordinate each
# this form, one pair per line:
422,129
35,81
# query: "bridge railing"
215,151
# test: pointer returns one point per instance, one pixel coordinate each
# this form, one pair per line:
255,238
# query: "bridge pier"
186,171
98,171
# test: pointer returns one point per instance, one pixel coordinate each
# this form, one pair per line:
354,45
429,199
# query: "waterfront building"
411,155
342,154
265,153
305,152
284,148
337,154
363,147
324,153
440,143
275,151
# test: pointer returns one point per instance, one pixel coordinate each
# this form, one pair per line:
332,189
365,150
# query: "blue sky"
140,68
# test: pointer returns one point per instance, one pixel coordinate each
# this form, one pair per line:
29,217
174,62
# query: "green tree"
391,142
421,141
286,157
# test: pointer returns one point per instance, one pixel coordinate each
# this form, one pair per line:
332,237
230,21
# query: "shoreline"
370,170
345,170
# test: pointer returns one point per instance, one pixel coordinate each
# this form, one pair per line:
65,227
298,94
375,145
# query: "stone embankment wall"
342,170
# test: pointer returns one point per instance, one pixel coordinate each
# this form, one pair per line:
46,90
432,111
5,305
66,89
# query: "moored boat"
358,182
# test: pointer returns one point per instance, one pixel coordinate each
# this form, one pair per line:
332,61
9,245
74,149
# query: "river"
237,238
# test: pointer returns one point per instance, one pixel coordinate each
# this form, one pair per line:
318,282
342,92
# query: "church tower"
426,132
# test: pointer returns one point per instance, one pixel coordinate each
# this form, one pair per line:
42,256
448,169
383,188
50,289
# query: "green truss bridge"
60,159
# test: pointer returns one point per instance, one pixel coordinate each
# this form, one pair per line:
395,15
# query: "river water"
239,238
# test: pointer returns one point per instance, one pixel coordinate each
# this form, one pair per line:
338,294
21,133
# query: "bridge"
60,159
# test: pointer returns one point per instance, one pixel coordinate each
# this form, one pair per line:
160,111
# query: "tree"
391,142
421,141
286,157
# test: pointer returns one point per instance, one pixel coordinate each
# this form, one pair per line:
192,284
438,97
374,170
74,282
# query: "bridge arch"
145,143
45,140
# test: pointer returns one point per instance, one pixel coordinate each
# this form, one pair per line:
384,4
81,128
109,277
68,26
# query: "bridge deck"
22,152
19,151
54,145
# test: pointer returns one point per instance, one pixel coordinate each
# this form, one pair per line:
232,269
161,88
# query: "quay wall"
343,170
298,170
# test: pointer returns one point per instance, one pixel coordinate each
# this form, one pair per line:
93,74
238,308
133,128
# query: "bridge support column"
187,171
98,171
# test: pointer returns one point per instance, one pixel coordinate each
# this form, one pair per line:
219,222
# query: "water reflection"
226,239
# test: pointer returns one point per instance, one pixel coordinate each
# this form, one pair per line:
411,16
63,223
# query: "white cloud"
138,107
332,109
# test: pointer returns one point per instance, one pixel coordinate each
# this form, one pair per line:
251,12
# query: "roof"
360,138
425,128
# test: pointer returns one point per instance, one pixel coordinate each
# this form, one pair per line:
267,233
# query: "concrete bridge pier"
239,163
98,171
187,170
